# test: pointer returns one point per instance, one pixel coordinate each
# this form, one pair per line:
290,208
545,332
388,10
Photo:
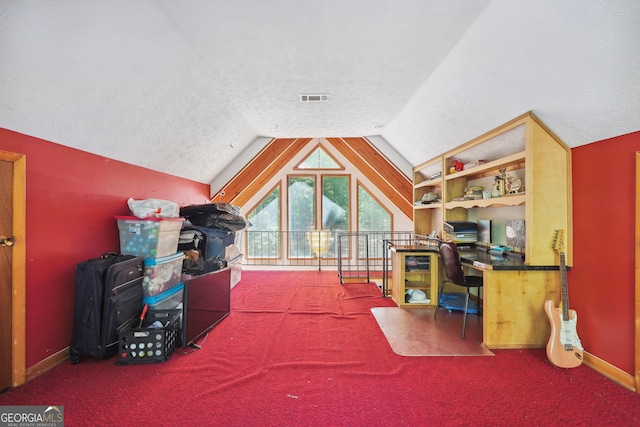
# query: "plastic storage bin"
149,345
150,237
161,274
167,300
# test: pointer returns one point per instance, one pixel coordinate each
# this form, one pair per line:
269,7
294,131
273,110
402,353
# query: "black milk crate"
150,345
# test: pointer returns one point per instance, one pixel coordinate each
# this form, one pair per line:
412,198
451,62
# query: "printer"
461,231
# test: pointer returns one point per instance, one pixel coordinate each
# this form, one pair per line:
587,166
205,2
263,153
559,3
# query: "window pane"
302,209
372,216
319,159
264,238
335,203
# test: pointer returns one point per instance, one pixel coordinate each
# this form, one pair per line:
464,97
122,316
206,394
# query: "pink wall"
72,198
602,281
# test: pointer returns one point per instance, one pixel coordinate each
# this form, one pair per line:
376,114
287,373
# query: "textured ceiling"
190,87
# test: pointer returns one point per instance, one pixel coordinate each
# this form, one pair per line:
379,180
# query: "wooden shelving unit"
427,216
512,300
525,149
418,270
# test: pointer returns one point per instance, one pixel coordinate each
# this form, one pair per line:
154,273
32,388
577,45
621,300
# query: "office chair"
455,274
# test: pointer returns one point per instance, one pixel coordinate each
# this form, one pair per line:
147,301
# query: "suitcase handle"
109,255
87,312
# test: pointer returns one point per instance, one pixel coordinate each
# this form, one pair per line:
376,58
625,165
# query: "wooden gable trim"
262,168
382,173
359,151
402,183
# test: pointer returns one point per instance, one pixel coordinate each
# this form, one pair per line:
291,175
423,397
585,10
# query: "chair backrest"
452,264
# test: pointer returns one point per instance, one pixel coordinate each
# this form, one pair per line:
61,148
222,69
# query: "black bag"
223,216
198,265
211,242
108,295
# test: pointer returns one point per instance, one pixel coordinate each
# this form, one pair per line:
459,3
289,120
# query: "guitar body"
563,349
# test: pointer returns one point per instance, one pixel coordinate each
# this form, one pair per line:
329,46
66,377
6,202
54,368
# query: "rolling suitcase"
108,295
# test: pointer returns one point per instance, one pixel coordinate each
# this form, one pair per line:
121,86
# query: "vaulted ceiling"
194,87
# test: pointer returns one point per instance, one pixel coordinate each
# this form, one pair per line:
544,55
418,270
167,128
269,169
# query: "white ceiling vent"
314,97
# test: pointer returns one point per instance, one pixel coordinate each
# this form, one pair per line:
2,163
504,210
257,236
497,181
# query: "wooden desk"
512,297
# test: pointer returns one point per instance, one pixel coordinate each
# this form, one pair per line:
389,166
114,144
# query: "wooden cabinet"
513,308
523,150
417,271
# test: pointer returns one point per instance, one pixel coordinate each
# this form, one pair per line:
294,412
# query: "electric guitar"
564,348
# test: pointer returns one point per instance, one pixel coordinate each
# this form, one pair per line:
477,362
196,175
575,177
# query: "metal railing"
320,248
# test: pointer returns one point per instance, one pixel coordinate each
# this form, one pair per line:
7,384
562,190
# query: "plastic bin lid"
149,262
135,218
163,295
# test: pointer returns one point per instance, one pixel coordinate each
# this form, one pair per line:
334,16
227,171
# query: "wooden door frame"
637,277
18,269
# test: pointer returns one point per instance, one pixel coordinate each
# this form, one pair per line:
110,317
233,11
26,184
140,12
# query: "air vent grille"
314,97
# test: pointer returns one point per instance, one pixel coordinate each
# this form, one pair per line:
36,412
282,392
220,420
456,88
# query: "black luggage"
210,242
108,295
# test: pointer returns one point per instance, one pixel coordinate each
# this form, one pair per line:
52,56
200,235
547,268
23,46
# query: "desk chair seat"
455,274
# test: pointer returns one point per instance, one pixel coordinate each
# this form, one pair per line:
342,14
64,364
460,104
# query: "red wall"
602,280
72,198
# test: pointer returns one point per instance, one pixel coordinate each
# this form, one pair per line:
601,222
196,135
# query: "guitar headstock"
557,242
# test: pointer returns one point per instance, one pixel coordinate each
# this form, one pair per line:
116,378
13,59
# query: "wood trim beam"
382,173
261,169
383,166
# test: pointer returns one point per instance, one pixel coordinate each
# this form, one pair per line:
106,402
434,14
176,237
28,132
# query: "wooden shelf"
416,285
428,183
515,200
489,168
425,279
428,206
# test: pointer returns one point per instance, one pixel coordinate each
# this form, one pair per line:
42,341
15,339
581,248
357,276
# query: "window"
264,239
319,159
311,203
372,215
335,203
302,214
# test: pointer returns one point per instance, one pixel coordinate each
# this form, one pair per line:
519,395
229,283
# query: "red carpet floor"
299,349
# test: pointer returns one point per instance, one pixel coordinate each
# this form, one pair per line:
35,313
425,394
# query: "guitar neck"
565,288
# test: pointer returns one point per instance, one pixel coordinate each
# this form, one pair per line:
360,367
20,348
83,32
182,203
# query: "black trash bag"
230,222
207,209
224,216
213,264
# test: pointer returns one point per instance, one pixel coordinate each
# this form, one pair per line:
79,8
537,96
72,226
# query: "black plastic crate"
148,344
